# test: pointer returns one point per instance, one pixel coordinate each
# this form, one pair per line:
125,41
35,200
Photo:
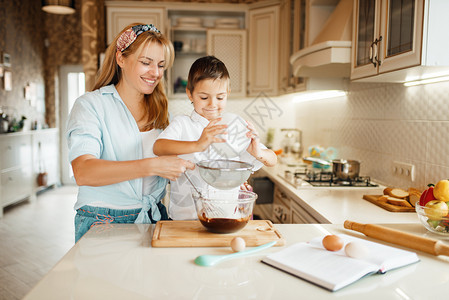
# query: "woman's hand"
210,133
170,167
92,171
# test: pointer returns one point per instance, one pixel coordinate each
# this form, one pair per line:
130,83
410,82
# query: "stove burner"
321,178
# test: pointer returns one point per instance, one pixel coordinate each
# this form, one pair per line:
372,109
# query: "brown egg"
238,244
332,242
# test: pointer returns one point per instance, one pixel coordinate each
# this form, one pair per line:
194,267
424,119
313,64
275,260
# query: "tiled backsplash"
381,123
375,123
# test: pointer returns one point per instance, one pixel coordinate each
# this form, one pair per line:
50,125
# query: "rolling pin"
397,237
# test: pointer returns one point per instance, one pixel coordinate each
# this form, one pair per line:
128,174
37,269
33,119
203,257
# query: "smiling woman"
120,179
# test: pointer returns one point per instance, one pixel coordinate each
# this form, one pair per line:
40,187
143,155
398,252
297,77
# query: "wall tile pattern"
381,123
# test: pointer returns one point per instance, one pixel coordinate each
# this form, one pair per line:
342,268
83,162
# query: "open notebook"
335,270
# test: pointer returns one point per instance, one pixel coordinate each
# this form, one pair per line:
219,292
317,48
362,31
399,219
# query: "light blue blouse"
100,124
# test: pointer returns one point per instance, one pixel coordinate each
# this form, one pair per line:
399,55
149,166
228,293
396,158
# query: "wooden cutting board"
193,234
387,206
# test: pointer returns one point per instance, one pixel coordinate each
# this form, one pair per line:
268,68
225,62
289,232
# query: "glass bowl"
224,174
222,211
440,226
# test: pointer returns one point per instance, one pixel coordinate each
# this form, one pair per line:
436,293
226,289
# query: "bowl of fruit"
433,208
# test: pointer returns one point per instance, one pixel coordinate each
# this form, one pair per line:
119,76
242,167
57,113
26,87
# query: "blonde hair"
156,103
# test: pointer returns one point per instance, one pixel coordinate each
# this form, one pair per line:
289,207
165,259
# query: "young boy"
191,137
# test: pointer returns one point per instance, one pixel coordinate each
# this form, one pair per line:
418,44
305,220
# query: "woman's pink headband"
130,35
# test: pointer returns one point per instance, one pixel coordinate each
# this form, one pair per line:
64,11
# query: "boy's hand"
254,147
246,187
210,133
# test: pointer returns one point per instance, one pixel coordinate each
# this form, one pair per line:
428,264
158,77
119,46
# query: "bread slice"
415,194
398,193
383,198
387,191
398,202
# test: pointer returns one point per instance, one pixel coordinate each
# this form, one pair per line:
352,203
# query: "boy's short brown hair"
207,67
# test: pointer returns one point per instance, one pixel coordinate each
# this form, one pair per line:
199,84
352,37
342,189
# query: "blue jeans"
88,216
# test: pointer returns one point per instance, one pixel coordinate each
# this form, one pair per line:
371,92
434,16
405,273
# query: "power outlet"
404,170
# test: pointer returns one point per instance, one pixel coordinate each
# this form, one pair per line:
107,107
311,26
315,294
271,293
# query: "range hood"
329,55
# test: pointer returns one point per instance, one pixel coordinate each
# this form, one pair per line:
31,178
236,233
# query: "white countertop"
117,262
335,205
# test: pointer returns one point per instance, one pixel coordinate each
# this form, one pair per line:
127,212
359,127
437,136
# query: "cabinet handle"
284,217
377,50
374,52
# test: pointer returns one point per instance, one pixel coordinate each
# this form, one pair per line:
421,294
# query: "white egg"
238,244
356,250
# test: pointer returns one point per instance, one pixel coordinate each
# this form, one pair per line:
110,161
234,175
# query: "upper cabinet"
264,39
200,32
120,14
253,40
399,40
229,45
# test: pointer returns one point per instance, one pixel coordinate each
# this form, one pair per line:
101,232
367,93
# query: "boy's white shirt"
190,128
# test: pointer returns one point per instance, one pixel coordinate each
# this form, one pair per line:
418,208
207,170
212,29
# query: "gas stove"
312,177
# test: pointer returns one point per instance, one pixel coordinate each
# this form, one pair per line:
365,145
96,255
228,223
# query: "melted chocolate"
223,225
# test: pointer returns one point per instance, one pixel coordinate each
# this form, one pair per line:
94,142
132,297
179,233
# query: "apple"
433,223
441,190
436,210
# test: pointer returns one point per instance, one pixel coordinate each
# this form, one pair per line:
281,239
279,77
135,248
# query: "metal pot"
345,169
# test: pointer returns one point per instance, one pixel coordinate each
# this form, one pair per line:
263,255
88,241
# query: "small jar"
288,175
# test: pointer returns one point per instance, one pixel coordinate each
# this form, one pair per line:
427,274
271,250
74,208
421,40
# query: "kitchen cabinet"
199,33
281,207
229,45
120,14
300,215
297,36
287,210
264,47
15,168
20,164
192,45
256,52
398,40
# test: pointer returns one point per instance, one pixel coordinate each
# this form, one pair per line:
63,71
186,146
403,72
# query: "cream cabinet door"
366,18
118,17
229,45
387,36
402,29
263,62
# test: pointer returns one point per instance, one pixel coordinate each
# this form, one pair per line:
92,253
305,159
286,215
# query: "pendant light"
60,7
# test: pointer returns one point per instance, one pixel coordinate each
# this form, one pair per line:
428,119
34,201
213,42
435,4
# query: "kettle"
292,142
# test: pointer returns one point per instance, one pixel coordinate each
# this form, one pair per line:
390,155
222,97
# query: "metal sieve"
224,174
